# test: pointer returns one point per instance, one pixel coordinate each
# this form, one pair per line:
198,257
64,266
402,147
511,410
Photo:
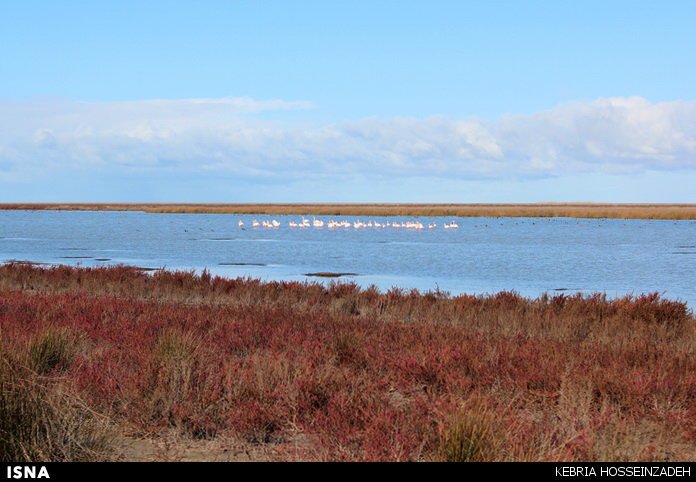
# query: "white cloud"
238,136
616,133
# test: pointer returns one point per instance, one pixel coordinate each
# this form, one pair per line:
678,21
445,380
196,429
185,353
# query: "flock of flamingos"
331,224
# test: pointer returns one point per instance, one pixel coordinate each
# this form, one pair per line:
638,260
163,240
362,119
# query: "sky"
347,101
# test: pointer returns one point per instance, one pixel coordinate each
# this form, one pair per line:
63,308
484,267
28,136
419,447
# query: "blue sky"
442,101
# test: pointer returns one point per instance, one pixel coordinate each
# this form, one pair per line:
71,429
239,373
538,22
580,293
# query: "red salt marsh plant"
343,373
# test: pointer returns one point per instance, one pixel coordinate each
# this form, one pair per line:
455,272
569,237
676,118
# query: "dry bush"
176,379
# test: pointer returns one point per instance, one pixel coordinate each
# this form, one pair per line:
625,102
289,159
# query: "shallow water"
528,255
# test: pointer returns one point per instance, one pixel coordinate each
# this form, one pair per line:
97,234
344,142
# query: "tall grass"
470,436
39,421
55,348
577,210
357,374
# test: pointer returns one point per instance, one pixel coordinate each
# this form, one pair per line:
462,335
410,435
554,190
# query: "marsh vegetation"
577,210
90,356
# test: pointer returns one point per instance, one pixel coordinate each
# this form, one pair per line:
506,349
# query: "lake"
484,255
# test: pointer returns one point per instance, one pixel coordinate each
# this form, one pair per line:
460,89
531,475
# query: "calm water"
528,255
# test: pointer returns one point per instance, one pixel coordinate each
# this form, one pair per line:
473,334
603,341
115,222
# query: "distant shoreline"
541,210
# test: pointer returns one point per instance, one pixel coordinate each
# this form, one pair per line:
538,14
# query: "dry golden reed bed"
90,357
576,210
